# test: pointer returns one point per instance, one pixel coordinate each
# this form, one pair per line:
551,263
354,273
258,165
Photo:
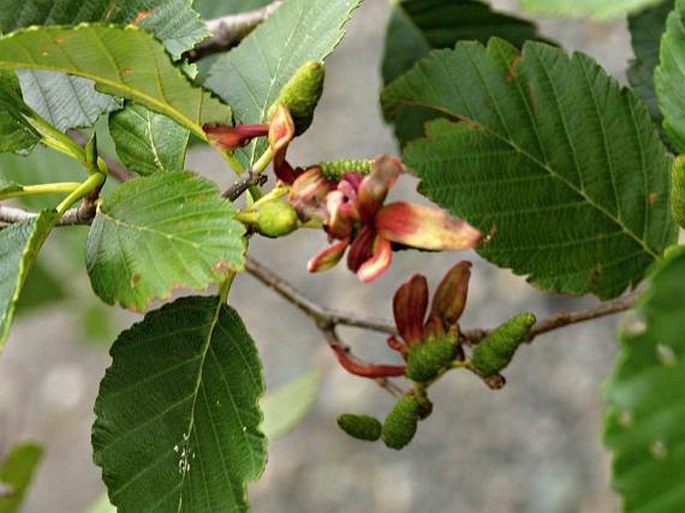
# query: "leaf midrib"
541,165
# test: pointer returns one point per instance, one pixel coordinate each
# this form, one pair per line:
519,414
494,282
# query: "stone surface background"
532,447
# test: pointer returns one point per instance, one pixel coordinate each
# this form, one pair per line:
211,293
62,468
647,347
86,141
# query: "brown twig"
228,31
239,187
83,214
327,318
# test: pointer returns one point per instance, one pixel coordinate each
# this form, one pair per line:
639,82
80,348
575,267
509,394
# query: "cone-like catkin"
426,359
400,424
362,427
302,92
495,351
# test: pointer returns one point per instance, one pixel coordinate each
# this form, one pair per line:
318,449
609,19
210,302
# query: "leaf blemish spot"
658,450
626,418
666,355
633,325
651,198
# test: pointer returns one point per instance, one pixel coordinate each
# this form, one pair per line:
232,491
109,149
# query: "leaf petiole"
91,183
43,188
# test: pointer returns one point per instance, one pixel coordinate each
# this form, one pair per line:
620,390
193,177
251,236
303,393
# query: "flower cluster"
354,216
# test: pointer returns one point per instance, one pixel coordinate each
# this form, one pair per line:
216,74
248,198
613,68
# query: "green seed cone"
334,169
275,218
302,92
425,360
362,427
678,190
495,351
400,424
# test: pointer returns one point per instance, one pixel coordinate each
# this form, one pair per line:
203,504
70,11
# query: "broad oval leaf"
600,9
19,247
177,427
418,26
15,132
16,474
160,232
670,76
66,101
646,28
147,142
251,76
126,62
563,166
644,395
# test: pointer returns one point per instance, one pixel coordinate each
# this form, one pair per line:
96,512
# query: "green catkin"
426,359
334,169
495,351
275,218
301,94
400,424
361,427
678,190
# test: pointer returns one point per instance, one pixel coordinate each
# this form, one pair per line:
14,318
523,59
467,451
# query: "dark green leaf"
16,474
599,9
127,62
552,156
68,102
19,246
41,288
160,232
646,28
63,100
15,132
418,26
670,76
213,9
646,410
177,414
146,141
250,77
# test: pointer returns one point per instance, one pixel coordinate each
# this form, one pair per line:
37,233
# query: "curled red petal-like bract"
409,306
328,257
381,257
375,186
449,299
424,227
361,248
232,137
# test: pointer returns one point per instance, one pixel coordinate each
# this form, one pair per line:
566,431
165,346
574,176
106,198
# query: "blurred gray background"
532,447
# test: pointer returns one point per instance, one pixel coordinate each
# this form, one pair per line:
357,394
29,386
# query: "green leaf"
15,132
418,26
286,406
250,77
670,76
157,233
600,9
646,29
177,414
16,474
19,246
212,9
127,62
146,141
644,395
563,166
68,102
63,100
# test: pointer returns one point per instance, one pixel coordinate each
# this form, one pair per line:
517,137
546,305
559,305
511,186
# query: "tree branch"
228,31
326,318
83,214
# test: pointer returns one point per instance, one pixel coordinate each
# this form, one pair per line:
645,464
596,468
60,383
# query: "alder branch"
328,319
228,31
83,214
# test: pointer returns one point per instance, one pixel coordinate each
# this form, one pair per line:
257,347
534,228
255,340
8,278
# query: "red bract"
353,214
410,305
